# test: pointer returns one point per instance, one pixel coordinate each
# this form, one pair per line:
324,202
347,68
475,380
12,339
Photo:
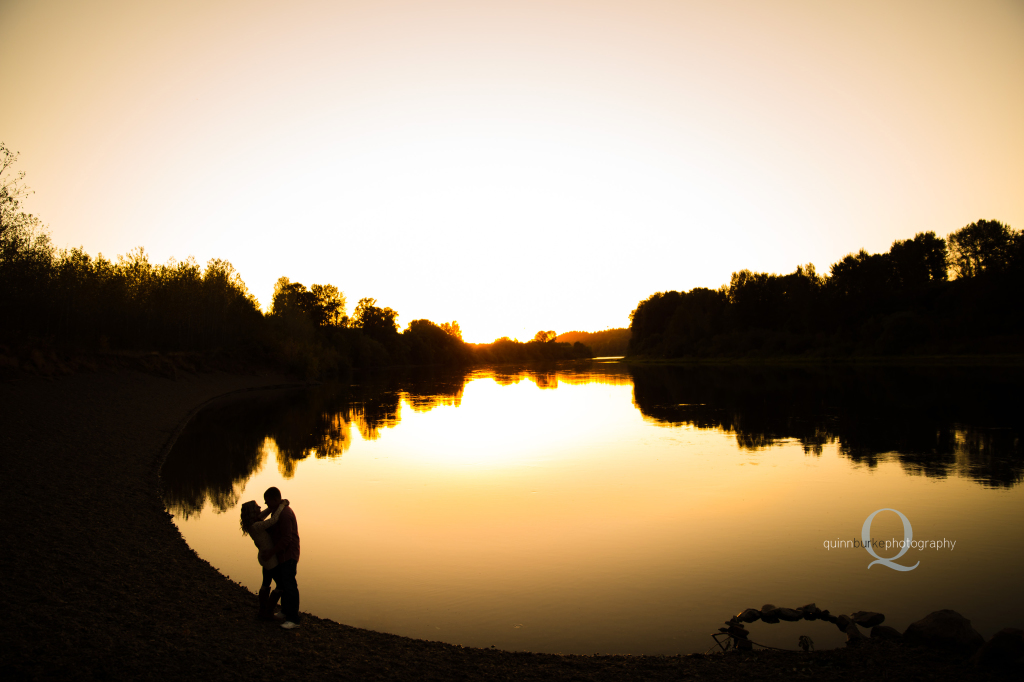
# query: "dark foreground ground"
99,584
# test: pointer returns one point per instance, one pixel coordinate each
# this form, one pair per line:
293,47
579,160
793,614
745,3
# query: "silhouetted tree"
292,298
432,344
919,261
983,246
861,276
649,321
377,323
700,315
12,191
329,305
26,253
452,329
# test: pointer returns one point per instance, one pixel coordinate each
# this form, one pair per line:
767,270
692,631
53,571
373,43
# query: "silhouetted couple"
277,539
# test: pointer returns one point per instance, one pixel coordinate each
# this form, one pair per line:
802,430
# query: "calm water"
602,508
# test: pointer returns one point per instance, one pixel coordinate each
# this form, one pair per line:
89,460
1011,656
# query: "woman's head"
250,515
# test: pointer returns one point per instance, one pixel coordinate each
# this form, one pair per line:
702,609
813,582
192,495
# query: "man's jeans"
284,576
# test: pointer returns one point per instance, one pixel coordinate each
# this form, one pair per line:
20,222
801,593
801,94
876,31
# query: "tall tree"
26,252
377,323
22,235
918,261
984,246
291,298
452,329
330,305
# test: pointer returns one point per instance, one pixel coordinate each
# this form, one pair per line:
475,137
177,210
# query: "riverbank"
101,585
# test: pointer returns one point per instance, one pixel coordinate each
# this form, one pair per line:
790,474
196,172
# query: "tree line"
316,330
67,298
926,295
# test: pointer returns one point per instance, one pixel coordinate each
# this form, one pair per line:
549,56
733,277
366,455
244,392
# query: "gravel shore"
101,585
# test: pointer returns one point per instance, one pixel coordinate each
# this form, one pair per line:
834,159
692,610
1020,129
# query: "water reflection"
608,373
935,421
622,512
229,441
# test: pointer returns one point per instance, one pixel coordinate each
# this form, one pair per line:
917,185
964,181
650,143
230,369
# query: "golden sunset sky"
513,165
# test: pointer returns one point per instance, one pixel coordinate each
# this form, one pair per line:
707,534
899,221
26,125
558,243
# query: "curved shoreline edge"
168,445
102,585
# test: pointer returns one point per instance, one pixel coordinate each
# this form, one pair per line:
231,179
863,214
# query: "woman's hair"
250,515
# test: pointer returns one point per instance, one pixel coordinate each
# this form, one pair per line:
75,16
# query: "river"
600,507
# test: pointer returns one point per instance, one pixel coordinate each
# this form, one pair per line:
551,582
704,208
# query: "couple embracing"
276,534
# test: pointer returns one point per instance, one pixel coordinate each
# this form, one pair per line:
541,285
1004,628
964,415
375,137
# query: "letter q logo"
908,536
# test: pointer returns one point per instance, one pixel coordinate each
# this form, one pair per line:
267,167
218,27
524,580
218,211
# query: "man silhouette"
285,534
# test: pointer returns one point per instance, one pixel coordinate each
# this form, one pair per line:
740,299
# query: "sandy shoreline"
103,586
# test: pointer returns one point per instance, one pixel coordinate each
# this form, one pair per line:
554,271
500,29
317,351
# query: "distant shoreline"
867,360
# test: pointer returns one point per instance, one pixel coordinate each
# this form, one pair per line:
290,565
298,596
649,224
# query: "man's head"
272,497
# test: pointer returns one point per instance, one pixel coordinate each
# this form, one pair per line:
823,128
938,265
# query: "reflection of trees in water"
544,379
312,424
376,414
228,442
503,378
934,421
610,373
292,444
988,455
220,449
425,390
